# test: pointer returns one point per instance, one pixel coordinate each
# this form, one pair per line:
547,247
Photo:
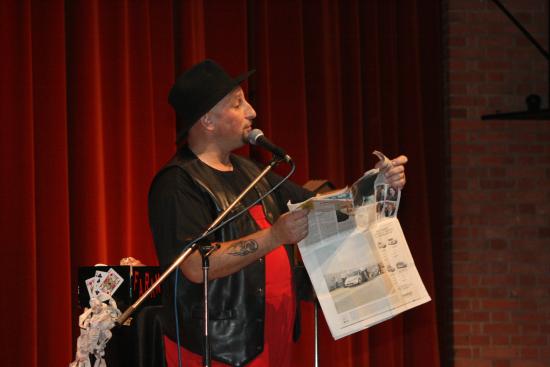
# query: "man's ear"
206,122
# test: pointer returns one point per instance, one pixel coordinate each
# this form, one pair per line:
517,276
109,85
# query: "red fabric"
85,126
279,312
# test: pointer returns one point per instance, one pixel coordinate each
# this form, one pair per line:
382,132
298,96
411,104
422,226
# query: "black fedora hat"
198,89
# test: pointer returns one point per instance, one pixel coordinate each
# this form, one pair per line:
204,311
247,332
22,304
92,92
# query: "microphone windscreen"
254,135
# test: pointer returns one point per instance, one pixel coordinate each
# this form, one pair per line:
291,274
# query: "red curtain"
85,125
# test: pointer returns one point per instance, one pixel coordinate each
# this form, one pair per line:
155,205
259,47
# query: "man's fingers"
394,171
401,160
398,180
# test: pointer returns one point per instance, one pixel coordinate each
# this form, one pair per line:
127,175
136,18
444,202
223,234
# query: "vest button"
260,290
261,259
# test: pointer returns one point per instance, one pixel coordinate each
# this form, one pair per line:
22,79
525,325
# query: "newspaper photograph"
357,257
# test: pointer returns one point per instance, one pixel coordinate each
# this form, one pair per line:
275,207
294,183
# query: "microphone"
257,137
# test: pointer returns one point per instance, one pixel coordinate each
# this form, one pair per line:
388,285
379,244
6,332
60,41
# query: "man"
252,294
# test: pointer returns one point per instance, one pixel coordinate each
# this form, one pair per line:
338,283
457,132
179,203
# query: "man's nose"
250,112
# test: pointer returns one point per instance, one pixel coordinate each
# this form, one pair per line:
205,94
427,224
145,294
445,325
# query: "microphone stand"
207,251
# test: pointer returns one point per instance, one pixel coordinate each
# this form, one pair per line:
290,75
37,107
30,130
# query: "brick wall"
499,176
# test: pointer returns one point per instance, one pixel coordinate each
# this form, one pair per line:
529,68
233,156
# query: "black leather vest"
237,302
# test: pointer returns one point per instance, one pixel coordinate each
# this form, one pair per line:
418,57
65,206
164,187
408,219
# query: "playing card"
90,282
99,276
111,282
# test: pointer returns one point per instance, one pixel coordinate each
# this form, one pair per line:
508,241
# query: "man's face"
232,118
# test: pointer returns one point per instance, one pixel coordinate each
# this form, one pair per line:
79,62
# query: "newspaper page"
357,257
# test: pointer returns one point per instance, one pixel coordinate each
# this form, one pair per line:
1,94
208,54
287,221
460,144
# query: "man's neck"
213,156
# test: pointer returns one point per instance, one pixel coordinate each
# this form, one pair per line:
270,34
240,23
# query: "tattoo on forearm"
243,248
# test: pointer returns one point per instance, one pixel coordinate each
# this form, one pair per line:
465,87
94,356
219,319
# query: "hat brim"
240,78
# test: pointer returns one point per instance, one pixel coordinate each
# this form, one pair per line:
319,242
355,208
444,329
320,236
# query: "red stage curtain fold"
86,124
35,192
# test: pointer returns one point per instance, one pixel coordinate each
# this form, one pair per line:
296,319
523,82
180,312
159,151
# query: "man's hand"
291,227
395,172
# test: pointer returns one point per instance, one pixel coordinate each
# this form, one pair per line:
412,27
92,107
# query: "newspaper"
357,256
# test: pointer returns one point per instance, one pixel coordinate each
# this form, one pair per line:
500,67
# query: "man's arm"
167,223
236,254
289,228
178,212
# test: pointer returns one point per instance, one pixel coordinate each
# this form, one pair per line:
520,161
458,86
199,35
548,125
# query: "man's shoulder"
172,176
168,180
175,166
